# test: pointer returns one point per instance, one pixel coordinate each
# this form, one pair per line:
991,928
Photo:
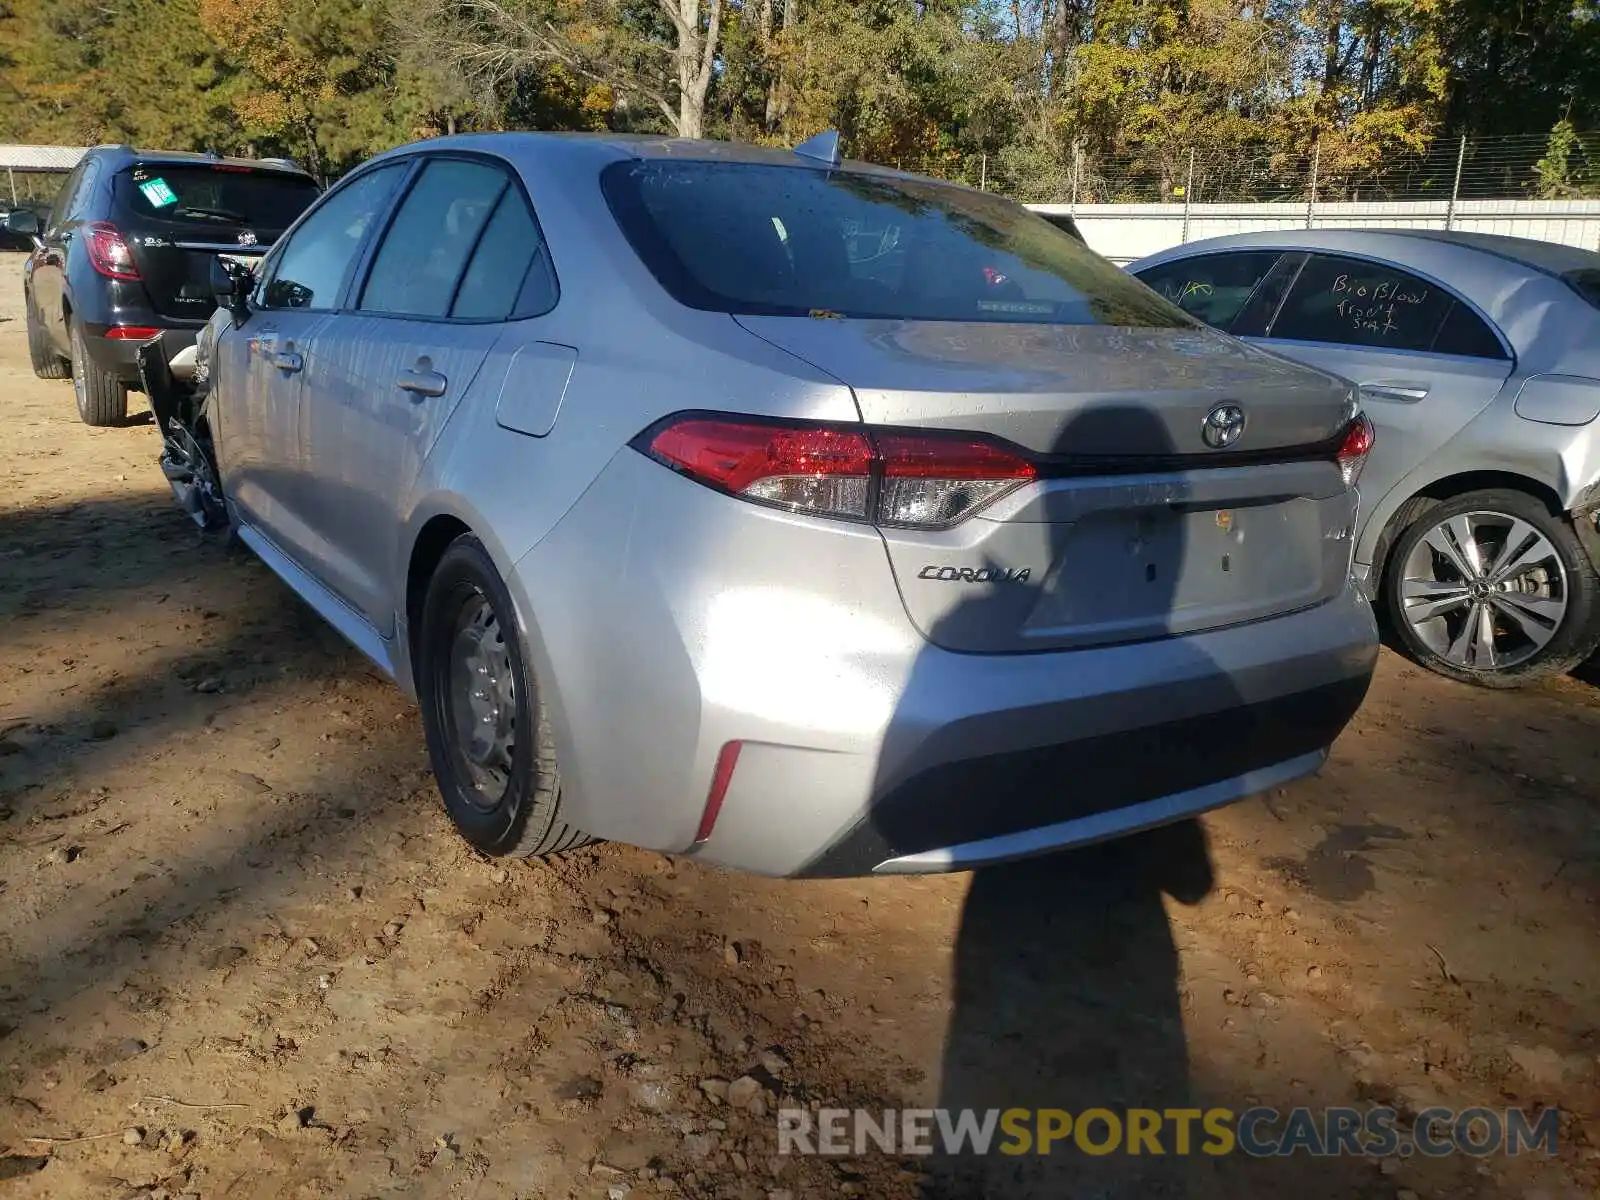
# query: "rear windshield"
1586,283
795,241
221,196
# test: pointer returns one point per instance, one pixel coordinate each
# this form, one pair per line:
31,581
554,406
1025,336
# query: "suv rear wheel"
1492,588
47,364
102,397
487,724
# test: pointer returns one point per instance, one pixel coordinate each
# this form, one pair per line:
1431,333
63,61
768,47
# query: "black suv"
126,255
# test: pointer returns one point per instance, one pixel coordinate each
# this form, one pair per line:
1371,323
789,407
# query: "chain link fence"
1502,168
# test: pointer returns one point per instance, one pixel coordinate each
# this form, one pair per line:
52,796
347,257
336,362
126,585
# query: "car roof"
617,147
1549,258
187,158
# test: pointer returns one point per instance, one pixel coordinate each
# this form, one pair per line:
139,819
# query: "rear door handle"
1408,393
423,383
422,379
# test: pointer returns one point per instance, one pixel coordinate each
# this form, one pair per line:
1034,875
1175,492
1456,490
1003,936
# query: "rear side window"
795,241
464,244
1357,303
1213,287
78,208
1465,333
510,270
62,206
1586,283
225,196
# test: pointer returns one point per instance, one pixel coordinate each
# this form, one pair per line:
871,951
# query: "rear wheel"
1491,588
47,364
102,397
487,723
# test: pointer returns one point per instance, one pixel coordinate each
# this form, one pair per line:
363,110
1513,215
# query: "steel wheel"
481,698
1485,591
489,734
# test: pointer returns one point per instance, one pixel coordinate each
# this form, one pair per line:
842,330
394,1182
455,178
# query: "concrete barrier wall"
1125,232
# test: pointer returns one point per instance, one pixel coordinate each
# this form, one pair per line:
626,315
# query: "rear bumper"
1011,805
119,356
666,621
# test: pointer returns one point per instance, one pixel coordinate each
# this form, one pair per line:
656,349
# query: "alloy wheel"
1484,590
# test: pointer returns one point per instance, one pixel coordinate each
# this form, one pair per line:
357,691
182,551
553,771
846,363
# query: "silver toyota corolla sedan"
806,517
1478,360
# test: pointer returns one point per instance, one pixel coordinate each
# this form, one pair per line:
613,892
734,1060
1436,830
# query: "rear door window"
426,248
464,244
225,196
1354,302
1213,287
778,240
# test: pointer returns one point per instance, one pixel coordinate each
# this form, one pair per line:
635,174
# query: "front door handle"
1408,393
422,380
288,360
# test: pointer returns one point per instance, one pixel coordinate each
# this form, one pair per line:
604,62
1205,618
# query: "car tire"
47,364
478,691
102,397
1540,598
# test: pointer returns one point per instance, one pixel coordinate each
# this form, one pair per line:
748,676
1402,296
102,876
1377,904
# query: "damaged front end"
188,459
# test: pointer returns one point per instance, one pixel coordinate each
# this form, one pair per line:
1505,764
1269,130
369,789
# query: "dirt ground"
243,955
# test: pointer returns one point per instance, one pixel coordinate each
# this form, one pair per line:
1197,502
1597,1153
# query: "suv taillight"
1352,456
905,478
109,253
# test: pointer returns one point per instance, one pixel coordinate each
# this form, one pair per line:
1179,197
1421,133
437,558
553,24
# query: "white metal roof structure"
40,158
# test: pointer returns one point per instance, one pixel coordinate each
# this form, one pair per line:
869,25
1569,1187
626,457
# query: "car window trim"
270,264
370,253
1509,355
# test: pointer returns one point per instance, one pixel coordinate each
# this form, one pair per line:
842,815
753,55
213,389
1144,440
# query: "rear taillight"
1352,456
892,477
109,253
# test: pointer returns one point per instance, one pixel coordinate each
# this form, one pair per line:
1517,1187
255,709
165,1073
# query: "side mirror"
23,222
232,282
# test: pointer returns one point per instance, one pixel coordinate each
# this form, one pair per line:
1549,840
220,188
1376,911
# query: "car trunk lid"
1138,527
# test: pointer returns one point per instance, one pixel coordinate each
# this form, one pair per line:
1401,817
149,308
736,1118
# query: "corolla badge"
1223,426
248,238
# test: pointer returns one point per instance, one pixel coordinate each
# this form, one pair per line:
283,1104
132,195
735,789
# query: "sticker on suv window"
158,193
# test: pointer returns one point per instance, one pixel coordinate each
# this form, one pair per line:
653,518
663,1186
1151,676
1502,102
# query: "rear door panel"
363,440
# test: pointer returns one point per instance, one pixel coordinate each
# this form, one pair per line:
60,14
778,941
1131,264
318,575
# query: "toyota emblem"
1223,426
